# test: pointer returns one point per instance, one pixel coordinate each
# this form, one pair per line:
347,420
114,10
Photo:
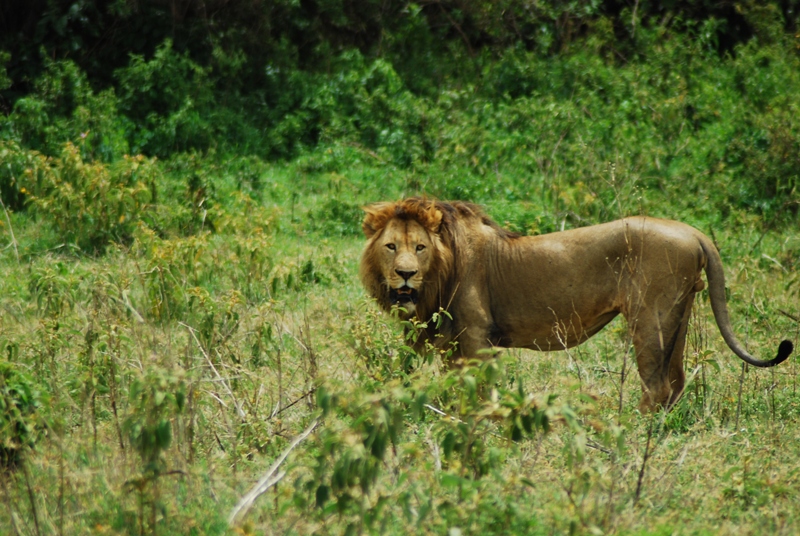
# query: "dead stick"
269,479
789,315
10,230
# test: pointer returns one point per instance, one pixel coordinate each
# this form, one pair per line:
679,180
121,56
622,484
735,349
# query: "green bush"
173,272
166,102
92,204
20,402
63,107
23,173
54,286
155,397
368,103
5,81
337,218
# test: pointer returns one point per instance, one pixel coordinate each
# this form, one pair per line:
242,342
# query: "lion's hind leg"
677,377
659,339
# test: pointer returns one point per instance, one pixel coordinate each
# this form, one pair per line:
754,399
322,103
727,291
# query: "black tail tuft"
784,351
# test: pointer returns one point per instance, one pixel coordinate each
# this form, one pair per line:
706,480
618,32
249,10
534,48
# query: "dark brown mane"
447,221
464,210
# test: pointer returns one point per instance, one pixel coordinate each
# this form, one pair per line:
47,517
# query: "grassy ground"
171,372
169,327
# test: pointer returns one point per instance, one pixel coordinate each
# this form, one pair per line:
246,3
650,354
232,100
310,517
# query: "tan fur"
547,292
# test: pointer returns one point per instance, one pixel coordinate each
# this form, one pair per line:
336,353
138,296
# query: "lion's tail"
716,292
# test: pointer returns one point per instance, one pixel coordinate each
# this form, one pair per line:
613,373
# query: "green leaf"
449,480
322,495
163,435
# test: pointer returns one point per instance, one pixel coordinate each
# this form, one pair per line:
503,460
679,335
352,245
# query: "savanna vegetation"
180,311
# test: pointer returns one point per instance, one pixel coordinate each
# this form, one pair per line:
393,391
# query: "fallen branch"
10,229
270,478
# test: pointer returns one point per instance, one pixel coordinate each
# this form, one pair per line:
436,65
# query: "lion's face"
405,262
405,253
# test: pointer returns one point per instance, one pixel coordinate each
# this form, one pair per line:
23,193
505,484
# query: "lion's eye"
391,247
420,247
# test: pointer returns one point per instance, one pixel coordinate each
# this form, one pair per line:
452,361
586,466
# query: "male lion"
548,292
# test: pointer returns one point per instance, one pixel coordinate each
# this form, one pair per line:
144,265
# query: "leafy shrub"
22,173
367,432
368,103
172,270
297,276
250,263
54,286
383,351
20,401
92,204
351,455
337,218
62,108
466,441
156,397
5,81
768,149
165,100
189,195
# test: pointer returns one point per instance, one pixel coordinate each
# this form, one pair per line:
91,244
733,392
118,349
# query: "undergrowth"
180,296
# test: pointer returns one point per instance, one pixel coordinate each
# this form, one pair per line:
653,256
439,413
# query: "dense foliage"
181,185
700,94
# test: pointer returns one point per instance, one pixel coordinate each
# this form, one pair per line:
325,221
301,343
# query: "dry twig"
10,229
270,478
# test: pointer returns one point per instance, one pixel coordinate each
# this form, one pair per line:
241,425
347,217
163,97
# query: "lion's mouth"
403,294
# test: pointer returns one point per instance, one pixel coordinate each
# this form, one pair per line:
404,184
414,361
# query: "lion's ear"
375,218
434,219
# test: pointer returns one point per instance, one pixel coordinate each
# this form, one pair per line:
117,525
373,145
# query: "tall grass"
169,326
178,367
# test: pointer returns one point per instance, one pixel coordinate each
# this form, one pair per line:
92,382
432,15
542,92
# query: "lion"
547,292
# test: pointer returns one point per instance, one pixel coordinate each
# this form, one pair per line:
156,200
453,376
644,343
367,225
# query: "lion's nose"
405,275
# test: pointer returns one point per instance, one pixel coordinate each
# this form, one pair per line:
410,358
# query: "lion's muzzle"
404,294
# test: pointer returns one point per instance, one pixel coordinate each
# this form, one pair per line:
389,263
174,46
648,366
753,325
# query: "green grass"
244,324
168,327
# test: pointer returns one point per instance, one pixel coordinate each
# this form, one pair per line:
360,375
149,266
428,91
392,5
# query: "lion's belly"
550,335
558,311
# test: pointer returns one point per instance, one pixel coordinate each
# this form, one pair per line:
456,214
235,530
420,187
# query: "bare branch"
270,478
789,315
10,229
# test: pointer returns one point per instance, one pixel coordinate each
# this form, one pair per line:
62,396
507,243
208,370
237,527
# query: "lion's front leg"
471,328
473,343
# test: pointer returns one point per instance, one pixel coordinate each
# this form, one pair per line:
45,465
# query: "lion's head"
408,259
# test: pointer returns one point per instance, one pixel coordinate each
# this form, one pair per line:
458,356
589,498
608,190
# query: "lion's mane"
449,222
